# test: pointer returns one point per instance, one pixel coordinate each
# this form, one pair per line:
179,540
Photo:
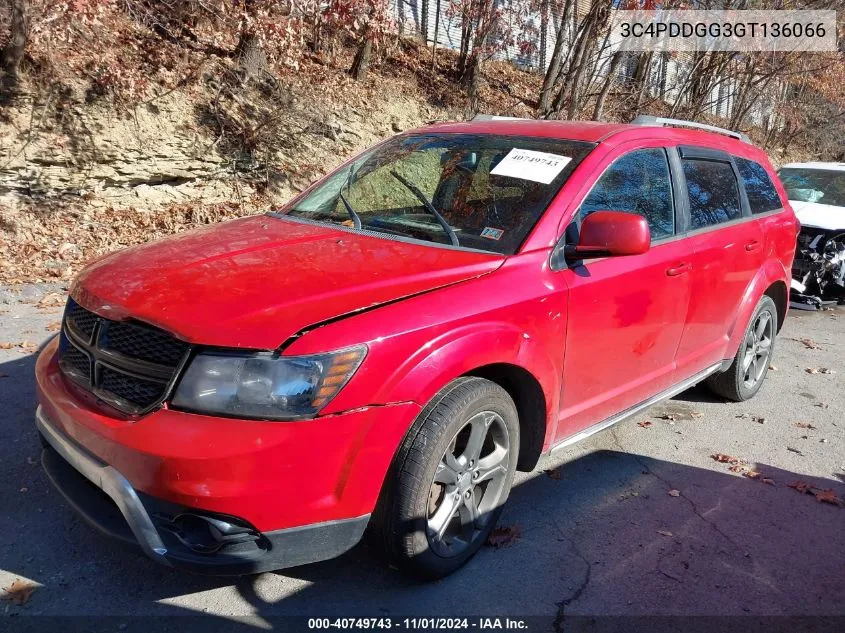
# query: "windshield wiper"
356,219
428,206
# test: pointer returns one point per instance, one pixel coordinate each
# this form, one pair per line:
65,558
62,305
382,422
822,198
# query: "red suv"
392,345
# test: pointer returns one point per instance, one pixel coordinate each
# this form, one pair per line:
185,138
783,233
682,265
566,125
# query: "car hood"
822,216
257,281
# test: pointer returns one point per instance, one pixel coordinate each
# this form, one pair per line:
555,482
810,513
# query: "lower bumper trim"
109,481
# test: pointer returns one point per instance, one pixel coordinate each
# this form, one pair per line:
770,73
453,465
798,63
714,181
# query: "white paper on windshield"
530,165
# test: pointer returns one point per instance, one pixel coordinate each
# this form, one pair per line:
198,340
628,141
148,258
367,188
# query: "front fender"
463,350
771,273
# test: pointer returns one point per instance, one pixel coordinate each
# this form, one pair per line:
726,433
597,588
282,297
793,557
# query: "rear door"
727,250
626,314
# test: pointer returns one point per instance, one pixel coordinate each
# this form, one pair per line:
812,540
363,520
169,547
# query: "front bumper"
138,520
287,493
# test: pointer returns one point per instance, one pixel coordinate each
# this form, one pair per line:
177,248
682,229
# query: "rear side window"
639,183
762,195
713,192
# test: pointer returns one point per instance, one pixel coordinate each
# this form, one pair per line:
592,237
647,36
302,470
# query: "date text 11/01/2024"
419,623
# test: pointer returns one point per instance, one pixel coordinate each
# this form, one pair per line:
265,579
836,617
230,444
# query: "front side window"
762,195
824,186
488,190
713,192
638,183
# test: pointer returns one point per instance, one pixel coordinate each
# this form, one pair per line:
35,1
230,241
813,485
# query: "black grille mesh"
139,392
80,319
120,351
74,359
143,343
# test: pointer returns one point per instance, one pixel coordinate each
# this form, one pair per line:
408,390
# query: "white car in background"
816,192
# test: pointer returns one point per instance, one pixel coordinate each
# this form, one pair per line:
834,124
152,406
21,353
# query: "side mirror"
611,234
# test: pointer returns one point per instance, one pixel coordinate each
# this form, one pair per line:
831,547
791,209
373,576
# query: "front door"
626,314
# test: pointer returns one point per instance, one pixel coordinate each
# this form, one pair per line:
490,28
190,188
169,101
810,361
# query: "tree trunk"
553,71
436,35
12,55
598,110
361,63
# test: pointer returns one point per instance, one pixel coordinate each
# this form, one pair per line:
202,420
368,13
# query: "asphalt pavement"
637,520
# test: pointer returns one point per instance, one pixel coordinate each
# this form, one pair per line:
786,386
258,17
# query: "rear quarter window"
761,192
713,192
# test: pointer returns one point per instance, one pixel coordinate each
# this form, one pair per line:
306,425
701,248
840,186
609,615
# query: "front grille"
80,319
125,387
74,361
153,346
129,365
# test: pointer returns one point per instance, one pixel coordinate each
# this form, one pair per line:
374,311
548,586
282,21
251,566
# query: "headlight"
265,386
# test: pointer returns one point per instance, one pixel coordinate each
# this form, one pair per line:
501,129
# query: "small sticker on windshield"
530,165
492,234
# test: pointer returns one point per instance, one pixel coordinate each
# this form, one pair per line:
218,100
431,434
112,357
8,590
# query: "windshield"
825,186
469,190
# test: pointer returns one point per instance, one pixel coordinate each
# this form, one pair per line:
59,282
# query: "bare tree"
12,55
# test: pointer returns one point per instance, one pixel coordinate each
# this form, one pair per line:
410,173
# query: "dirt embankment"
79,178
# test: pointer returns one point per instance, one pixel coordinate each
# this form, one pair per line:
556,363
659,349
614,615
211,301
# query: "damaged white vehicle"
816,192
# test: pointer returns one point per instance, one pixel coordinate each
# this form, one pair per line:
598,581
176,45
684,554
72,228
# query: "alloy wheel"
758,349
468,484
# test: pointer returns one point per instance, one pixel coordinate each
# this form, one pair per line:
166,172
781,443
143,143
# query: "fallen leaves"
674,493
19,592
819,370
794,450
644,424
665,533
668,416
740,467
503,536
724,459
554,473
52,300
808,343
822,496
55,326
804,425
26,346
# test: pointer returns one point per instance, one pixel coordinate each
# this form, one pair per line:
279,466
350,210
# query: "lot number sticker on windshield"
529,165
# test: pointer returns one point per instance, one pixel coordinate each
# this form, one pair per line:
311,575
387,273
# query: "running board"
637,408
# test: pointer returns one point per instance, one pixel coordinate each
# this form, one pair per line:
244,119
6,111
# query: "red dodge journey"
389,348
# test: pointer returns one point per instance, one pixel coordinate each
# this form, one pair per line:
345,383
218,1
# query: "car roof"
598,132
816,165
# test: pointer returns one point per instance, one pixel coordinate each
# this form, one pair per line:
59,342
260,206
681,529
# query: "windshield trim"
387,236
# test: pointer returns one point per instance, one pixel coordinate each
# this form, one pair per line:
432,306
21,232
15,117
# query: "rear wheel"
451,478
745,375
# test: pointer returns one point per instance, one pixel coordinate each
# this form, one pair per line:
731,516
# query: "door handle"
753,245
678,269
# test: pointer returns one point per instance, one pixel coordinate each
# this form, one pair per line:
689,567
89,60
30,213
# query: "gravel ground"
642,521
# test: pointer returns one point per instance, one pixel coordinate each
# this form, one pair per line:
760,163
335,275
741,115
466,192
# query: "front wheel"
745,375
451,477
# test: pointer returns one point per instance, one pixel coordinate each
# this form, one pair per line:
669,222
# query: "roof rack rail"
663,122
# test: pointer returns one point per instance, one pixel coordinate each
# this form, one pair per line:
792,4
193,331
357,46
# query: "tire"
439,446
735,384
